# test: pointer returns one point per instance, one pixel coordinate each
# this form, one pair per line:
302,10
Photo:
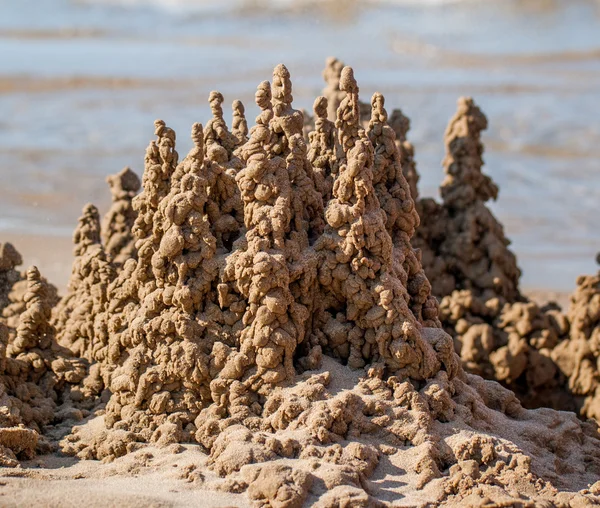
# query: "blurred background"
81,82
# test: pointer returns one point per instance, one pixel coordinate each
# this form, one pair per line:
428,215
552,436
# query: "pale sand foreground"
149,478
170,477
177,476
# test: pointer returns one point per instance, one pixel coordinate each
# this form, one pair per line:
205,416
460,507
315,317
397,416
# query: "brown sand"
261,301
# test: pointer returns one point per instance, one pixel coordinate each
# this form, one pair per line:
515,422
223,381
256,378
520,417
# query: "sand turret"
117,237
286,121
239,125
475,249
217,136
322,149
35,330
224,204
80,316
37,368
263,99
402,219
465,183
347,120
9,260
332,74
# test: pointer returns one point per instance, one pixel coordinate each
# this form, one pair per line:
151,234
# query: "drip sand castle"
264,316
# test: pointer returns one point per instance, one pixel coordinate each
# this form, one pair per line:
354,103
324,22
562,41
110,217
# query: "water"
81,83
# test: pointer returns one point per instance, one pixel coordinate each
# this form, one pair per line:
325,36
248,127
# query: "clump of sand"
262,298
577,357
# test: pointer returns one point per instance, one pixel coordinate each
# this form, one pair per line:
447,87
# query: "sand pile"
262,298
500,334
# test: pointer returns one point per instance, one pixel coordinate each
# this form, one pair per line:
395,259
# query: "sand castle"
263,297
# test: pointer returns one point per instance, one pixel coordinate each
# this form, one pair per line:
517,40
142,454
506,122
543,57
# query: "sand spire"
160,380
378,325
216,133
322,149
35,330
37,367
348,114
286,121
271,329
160,165
9,260
499,333
464,182
80,317
263,99
489,266
402,218
224,205
117,237
239,125
10,302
